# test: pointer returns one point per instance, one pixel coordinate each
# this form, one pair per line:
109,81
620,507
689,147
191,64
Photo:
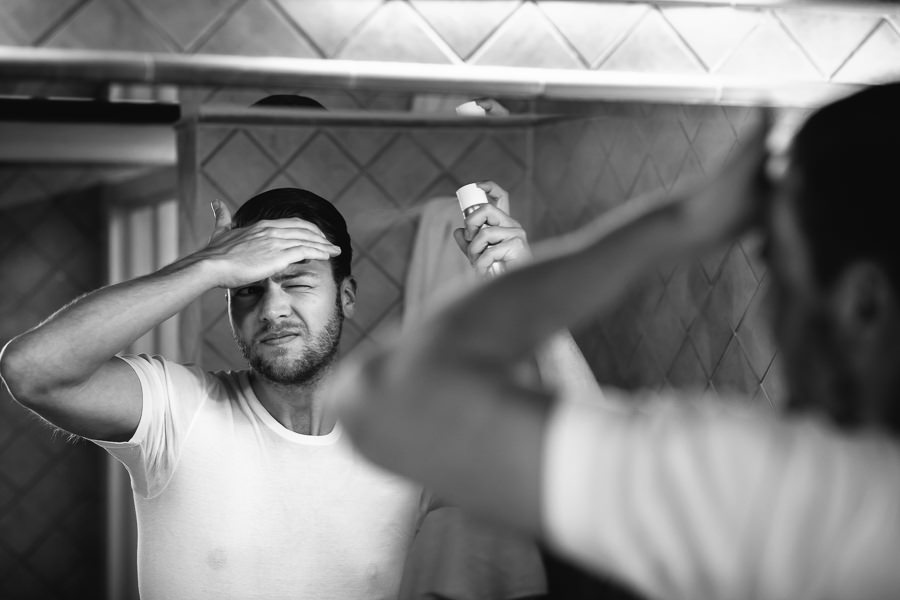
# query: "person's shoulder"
224,383
186,374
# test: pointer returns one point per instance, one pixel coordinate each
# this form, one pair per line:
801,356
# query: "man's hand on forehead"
262,249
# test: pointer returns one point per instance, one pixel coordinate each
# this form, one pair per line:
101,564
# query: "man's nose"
275,304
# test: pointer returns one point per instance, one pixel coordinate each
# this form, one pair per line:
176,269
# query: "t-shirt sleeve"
692,502
172,395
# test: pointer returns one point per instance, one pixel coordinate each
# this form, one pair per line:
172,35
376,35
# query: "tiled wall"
700,324
804,42
51,498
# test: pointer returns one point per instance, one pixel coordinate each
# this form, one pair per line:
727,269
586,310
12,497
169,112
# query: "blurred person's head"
288,326
835,261
289,101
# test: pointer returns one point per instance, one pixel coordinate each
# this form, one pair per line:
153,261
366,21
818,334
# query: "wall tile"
329,23
627,155
712,33
282,143
324,167
593,28
714,142
32,19
663,334
186,22
800,43
754,333
403,170
829,37
686,369
239,168
397,33
774,383
363,144
527,39
668,149
652,47
877,60
109,25
893,15
488,160
392,251
769,52
446,145
44,480
258,29
376,296
465,24
734,377
369,212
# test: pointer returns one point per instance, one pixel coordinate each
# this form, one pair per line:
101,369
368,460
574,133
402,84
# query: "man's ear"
864,300
348,295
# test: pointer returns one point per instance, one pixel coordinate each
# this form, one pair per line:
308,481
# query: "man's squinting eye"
246,292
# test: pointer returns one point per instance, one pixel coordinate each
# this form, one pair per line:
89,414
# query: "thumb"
460,236
223,217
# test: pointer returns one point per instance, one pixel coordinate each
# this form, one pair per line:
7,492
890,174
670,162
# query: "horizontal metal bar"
88,144
237,115
298,73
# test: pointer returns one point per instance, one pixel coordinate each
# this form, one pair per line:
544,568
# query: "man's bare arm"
65,369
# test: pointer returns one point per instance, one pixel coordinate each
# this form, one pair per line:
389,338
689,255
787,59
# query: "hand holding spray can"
470,198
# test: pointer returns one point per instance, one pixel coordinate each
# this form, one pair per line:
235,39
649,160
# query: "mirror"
659,94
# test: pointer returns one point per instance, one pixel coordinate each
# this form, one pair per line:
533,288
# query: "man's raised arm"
443,405
65,369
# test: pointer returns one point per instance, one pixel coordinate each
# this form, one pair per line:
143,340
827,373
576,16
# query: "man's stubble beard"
318,354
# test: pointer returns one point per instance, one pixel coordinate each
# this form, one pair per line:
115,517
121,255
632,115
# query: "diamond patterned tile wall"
376,177
845,44
51,519
700,325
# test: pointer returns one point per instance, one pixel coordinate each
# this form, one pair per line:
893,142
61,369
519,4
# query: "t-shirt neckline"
273,424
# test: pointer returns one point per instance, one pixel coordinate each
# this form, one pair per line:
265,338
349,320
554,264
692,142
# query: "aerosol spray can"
470,198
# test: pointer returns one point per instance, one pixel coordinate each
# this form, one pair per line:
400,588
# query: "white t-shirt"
712,501
231,504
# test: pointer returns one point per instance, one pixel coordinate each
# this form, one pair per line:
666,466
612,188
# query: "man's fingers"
491,107
309,252
491,236
460,236
291,223
496,194
490,215
502,252
222,215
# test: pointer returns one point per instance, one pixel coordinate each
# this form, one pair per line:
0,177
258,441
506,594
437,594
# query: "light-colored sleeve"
690,502
172,395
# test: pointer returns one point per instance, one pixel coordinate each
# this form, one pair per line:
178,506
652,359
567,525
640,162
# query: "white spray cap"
470,109
470,195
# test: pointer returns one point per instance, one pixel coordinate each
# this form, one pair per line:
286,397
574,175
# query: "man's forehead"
305,268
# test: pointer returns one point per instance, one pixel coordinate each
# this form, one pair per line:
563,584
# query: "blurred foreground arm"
443,405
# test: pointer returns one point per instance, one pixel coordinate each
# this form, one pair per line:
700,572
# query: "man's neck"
299,408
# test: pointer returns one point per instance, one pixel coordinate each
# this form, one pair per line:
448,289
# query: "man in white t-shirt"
684,499
244,484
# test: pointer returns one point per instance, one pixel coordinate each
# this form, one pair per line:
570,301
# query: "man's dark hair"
289,100
282,203
848,157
